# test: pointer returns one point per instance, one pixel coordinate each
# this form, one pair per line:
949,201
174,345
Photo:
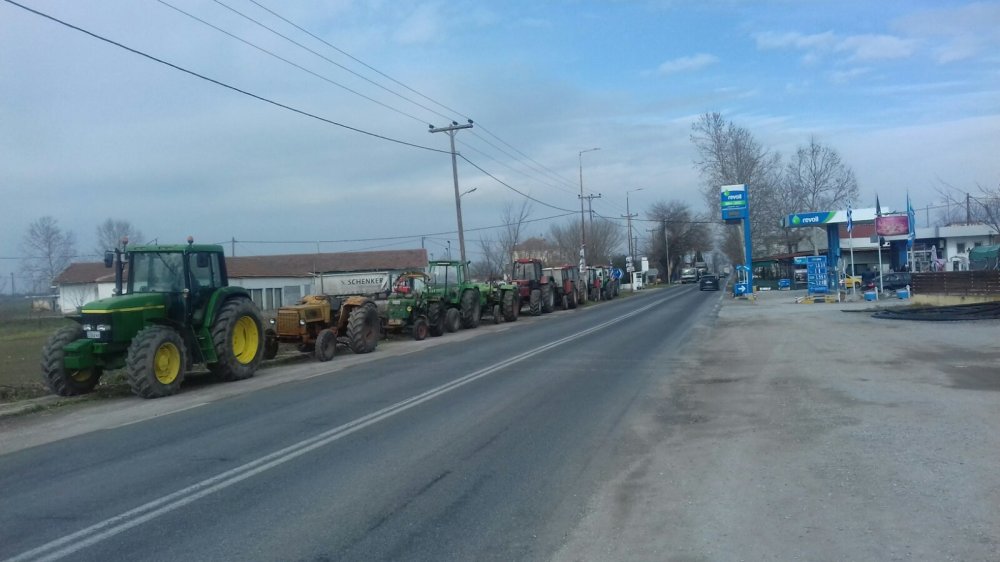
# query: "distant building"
272,281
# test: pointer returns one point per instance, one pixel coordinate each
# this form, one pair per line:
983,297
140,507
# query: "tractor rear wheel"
363,328
548,299
535,302
238,340
435,318
471,310
510,304
420,328
155,362
63,381
452,320
270,343
326,345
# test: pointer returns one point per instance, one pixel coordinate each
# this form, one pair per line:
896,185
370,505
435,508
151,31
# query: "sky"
302,126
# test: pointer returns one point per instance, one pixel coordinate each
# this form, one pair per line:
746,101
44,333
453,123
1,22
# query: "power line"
220,83
284,60
508,186
390,78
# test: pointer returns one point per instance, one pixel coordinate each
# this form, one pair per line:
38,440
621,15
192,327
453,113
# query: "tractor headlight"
302,322
89,327
409,309
271,321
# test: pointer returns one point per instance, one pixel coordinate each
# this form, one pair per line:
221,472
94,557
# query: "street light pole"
583,231
628,215
451,130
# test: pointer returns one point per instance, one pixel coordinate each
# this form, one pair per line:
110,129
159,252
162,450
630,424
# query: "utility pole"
583,230
232,251
590,206
968,208
451,130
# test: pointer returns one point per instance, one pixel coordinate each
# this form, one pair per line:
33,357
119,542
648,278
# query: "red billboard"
892,225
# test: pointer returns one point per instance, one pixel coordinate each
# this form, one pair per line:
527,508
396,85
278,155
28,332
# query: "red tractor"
533,286
565,280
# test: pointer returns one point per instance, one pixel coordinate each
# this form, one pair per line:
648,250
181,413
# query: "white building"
273,281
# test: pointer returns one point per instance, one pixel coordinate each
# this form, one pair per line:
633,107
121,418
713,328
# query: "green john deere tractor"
457,302
174,309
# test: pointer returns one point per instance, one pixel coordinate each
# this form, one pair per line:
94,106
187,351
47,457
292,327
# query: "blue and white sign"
733,202
617,273
816,271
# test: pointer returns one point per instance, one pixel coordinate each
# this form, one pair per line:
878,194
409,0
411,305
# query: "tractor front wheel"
326,345
572,298
496,314
420,328
548,299
363,328
270,343
156,361
452,320
510,304
535,302
60,380
435,318
471,310
238,340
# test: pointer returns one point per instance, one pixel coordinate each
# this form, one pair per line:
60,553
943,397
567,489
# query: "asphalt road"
488,445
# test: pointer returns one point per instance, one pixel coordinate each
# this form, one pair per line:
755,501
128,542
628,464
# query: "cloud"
874,47
858,47
793,39
423,25
684,64
845,76
958,33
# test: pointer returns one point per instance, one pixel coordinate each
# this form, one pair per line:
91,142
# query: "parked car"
891,281
708,282
846,282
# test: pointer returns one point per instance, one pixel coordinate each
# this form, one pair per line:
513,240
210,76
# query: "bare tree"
963,207
729,155
816,179
680,233
111,232
48,250
566,239
604,240
498,250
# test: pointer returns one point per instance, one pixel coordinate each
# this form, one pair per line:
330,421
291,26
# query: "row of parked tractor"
442,299
173,308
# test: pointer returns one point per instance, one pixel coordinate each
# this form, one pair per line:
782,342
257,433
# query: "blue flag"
850,218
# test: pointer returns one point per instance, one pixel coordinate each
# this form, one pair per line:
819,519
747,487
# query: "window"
257,296
960,248
205,270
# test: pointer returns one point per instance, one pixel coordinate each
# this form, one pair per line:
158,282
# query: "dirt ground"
804,432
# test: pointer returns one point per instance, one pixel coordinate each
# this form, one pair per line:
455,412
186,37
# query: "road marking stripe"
75,542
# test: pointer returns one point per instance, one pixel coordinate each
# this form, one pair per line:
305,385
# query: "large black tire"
510,304
155,362
238,338
471,309
326,345
60,380
420,328
572,299
270,343
435,318
535,302
496,314
363,328
452,320
548,299
564,302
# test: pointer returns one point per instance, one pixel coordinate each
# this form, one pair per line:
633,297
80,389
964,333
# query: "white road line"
75,542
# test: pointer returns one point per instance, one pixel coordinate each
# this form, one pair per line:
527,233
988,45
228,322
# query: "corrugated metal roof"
288,265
